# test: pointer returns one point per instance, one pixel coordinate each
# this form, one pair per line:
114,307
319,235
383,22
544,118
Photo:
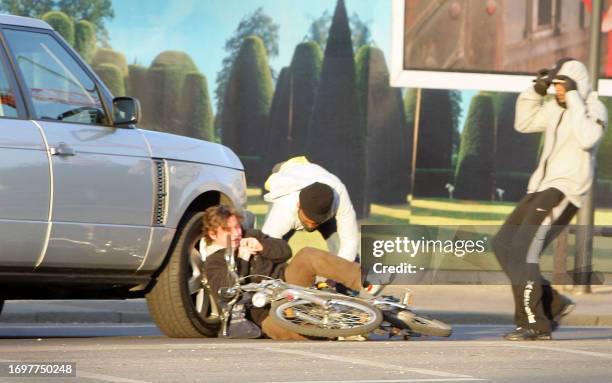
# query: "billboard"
490,44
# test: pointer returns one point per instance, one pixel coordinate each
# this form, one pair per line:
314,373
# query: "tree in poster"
85,39
336,137
475,165
97,12
257,23
276,147
305,75
515,153
318,31
62,23
388,145
196,107
247,103
438,126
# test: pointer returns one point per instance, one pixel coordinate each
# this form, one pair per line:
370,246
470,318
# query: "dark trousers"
533,224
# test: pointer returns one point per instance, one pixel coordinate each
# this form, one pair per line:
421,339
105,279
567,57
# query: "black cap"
316,201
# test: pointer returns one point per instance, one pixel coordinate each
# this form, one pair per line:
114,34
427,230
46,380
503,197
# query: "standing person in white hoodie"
573,124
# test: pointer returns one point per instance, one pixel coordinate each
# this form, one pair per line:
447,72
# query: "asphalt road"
138,353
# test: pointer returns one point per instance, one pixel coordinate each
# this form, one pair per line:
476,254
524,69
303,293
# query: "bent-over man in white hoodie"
304,196
573,124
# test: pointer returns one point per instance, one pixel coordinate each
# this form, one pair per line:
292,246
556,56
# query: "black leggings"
533,224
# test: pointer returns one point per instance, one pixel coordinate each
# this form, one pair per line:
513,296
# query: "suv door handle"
62,150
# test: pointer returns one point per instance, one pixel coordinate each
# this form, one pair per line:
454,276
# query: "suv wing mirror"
126,111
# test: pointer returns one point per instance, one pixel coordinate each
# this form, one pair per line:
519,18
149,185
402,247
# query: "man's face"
232,229
560,91
309,224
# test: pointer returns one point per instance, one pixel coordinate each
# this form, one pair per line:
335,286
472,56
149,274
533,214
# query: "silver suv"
91,206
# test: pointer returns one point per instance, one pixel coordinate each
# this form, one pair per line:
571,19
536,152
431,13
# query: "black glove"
542,82
566,83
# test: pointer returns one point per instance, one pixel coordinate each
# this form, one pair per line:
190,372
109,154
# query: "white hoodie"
571,136
285,186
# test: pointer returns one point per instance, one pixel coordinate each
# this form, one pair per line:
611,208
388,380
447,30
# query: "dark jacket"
271,261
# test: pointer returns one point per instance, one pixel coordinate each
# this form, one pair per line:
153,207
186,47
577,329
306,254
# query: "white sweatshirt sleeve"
530,112
280,219
348,231
588,120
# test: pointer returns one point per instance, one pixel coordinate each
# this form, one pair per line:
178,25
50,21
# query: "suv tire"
177,311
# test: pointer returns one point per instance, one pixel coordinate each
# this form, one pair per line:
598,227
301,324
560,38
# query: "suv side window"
8,105
59,88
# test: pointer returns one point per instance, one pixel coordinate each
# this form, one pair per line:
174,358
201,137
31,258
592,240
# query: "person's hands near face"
252,244
248,247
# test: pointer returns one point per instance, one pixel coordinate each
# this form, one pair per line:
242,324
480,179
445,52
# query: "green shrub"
197,109
474,174
112,78
138,86
432,182
176,60
388,146
85,39
276,148
109,56
306,72
62,23
246,106
166,91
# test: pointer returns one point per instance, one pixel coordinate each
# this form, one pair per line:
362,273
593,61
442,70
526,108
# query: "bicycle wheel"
344,316
418,323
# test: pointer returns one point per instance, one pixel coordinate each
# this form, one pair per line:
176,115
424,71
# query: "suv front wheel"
179,305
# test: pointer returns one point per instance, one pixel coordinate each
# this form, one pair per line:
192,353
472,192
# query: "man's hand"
542,82
252,244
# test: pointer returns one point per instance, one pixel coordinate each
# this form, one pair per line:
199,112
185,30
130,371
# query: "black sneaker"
567,306
521,333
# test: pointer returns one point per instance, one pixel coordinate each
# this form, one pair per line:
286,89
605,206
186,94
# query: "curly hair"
216,217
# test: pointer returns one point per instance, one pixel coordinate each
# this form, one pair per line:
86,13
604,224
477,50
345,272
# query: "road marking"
362,362
566,350
107,378
387,380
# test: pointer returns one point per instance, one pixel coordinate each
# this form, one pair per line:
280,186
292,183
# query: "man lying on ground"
259,254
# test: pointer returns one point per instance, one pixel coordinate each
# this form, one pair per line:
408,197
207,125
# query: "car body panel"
25,186
77,245
189,180
173,147
22,242
161,239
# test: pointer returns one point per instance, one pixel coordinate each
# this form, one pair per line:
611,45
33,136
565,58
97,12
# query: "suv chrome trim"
160,199
21,21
